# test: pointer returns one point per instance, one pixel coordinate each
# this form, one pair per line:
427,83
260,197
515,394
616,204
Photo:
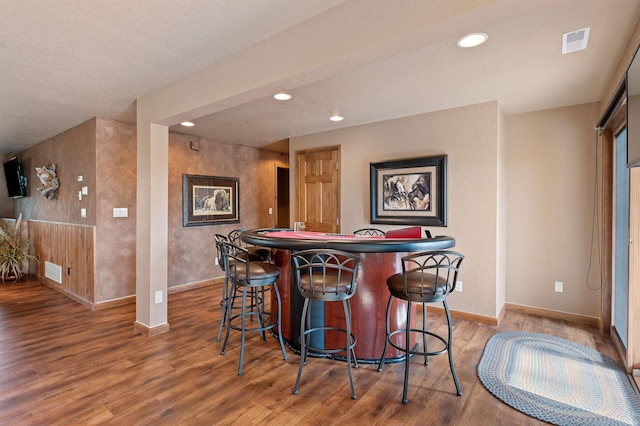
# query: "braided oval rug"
557,380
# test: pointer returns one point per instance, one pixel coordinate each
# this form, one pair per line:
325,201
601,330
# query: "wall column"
152,215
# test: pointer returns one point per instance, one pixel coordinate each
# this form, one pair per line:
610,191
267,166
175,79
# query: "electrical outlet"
458,285
559,286
158,296
215,260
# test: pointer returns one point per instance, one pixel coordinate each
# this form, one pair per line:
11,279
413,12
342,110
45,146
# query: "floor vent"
576,40
53,272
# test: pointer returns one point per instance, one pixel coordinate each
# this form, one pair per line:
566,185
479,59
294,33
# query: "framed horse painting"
210,200
409,192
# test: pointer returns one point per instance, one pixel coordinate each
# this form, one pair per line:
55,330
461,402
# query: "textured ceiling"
63,62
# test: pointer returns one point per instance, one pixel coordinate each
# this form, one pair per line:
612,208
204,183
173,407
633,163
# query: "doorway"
621,239
282,198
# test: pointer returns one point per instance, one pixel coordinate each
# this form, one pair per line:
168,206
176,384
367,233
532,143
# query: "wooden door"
319,189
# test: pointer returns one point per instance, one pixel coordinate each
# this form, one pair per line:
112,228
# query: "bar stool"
246,274
226,292
263,252
324,275
219,238
427,277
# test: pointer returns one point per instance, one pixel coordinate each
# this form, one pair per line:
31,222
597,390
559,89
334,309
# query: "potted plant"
14,251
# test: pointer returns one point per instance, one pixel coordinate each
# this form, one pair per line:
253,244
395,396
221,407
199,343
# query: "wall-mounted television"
16,180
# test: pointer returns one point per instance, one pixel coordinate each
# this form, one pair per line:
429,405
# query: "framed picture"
210,200
409,192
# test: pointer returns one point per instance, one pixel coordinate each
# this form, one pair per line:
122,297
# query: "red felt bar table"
379,258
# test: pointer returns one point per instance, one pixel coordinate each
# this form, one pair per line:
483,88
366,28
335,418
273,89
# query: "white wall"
501,218
520,198
551,163
469,138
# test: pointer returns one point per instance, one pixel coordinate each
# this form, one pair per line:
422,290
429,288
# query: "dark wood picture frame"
410,191
210,200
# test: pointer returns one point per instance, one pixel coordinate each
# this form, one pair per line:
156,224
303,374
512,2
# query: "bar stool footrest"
329,351
418,352
273,323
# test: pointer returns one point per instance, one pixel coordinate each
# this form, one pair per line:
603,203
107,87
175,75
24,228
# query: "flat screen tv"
16,180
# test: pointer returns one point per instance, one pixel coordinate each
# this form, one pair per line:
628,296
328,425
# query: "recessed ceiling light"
282,96
472,40
336,118
187,124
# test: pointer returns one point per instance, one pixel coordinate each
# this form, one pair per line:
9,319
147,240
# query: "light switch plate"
85,190
120,212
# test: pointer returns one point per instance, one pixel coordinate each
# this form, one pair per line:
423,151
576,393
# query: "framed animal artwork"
409,192
210,200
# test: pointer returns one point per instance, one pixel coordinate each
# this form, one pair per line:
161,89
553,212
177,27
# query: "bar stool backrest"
325,274
236,261
370,232
234,237
218,239
430,276
245,268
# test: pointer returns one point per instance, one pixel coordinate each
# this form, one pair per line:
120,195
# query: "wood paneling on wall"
72,248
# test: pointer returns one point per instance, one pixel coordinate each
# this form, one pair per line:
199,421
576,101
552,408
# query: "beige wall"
551,163
501,216
520,197
621,68
469,136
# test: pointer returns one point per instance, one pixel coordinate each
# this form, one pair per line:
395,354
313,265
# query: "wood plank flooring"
63,365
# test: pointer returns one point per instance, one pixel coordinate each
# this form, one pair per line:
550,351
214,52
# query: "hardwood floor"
61,364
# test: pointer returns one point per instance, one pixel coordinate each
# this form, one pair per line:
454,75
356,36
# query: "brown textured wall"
73,152
104,153
115,187
191,249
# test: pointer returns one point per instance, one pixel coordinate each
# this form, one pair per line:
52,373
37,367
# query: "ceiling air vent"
575,40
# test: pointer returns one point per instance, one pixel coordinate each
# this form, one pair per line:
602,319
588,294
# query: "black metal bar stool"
219,238
262,252
426,277
246,274
226,291
322,276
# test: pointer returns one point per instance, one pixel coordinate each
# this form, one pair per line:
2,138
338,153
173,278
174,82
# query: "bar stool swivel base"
325,276
416,349
307,348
